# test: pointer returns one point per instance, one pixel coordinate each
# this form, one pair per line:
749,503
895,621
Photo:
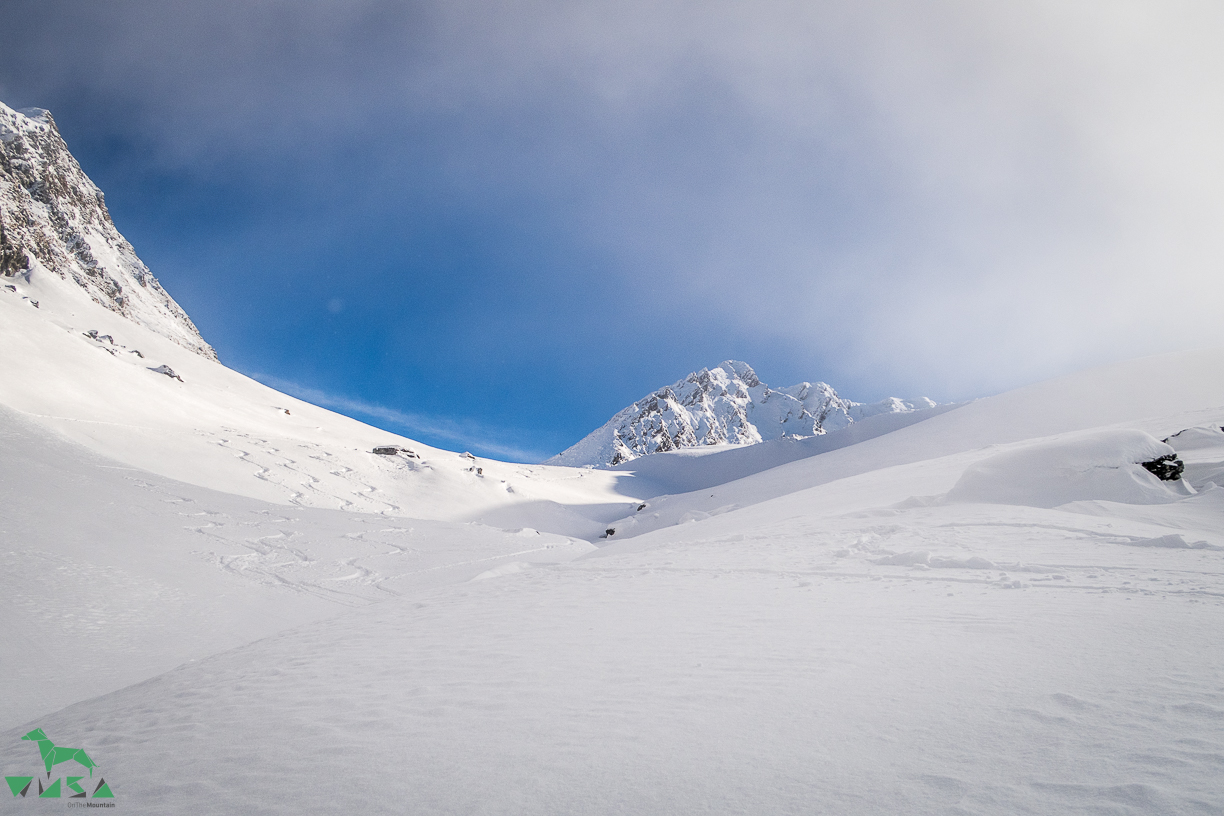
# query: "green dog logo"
52,755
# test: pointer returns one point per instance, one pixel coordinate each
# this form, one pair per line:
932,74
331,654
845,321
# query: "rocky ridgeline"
54,220
727,404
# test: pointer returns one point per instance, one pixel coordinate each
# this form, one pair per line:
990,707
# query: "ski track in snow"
273,465
301,560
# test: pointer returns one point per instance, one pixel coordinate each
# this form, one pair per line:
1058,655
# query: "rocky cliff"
53,220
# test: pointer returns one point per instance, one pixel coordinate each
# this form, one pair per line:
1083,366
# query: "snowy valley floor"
110,575
767,675
984,612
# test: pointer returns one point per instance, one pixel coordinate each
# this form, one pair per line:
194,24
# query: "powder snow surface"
234,609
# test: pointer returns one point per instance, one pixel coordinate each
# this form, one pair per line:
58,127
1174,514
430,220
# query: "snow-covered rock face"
53,220
724,405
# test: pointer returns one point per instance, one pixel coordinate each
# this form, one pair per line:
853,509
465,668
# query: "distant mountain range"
724,405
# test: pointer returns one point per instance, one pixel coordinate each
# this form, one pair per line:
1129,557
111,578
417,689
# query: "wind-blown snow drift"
1103,465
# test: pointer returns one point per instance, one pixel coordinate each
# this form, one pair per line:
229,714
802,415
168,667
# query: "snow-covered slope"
54,220
96,378
870,631
724,405
1160,395
109,567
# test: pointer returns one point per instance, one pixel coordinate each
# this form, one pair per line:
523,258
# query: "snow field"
626,684
808,654
1103,465
110,575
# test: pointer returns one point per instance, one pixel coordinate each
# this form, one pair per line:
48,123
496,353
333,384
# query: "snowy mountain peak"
737,370
724,405
53,220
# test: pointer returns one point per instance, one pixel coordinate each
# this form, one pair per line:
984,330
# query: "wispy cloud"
437,431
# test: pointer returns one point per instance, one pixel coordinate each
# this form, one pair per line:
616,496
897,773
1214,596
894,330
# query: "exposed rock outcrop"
53,220
167,370
1167,468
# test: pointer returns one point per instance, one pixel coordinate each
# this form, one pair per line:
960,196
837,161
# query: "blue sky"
490,225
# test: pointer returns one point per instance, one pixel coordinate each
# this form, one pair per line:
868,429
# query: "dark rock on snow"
1167,468
392,450
167,370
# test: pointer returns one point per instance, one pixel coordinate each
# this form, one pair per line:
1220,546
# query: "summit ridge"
724,405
